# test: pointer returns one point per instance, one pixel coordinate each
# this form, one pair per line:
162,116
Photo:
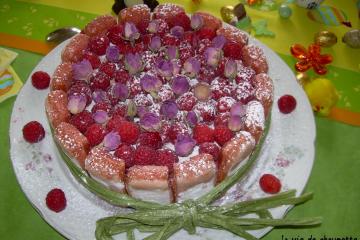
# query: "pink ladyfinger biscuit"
255,119
195,171
167,10
233,34
210,21
149,182
73,142
254,57
100,25
106,168
74,51
56,107
264,91
233,153
62,77
135,14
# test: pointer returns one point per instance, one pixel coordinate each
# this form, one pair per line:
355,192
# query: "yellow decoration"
302,78
325,38
227,13
322,95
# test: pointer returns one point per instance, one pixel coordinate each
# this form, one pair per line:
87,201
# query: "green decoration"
260,28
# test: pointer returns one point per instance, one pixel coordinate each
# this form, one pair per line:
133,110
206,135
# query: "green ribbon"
162,221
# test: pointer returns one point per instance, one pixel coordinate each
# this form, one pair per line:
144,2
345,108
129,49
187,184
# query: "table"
335,173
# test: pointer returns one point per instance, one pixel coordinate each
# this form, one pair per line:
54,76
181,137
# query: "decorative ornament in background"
309,4
285,11
325,39
260,28
245,24
330,16
302,78
310,58
227,14
264,5
352,38
322,95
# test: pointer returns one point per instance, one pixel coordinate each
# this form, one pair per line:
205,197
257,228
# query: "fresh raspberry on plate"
98,45
287,104
203,133
56,200
150,139
144,155
95,134
40,80
210,148
126,153
270,184
129,132
166,157
33,132
232,50
82,120
222,134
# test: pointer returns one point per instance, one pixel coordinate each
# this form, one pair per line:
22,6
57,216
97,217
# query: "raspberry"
245,74
186,53
224,104
203,133
222,134
166,157
93,59
206,110
270,184
206,33
150,139
125,48
120,110
144,155
99,81
126,153
56,200
81,87
122,76
170,40
232,50
188,37
163,27
286,104
175,130
142,26
187,101
98,45
103,106
222,119
33,132
95,134
114,123
244,92
129,132
220,89
40,80
180,19
108,68
82,120
210,148
115,34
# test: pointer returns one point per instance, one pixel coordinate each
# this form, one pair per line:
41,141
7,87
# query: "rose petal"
180,84
112,141
112,53
155,43
197,21
192,67
177,31
76,103
218,41
191,118
120,91
82,70
150,83
100,116
133,63
230,70
150,122
131,32
184,145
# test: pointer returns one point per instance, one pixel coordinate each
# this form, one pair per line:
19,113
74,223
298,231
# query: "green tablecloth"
334,179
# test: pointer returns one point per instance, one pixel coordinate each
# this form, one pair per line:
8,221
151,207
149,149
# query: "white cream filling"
118,185
196,191
155,195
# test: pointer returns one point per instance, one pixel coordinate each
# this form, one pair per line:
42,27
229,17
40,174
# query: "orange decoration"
252,2
310,58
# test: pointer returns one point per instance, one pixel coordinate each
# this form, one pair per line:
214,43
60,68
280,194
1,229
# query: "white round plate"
288,153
